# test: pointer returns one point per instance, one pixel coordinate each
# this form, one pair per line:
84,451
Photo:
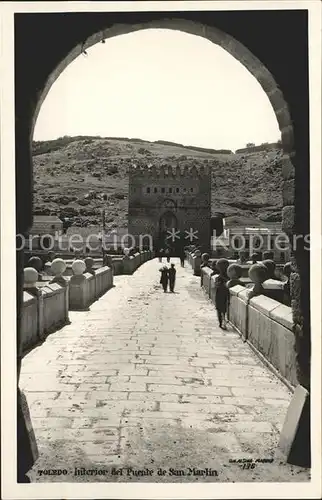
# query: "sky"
159,84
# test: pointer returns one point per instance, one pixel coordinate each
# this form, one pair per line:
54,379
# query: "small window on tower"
191,189
184,190
177,190
170,190
148,190
155,190
162,190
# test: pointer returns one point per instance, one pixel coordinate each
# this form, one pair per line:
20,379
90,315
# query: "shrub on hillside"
119,196
112,169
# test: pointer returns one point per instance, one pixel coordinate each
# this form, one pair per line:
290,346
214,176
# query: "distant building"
235,239
167,200
44,232
114,239
46,224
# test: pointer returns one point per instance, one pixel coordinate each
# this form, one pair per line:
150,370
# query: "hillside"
79,176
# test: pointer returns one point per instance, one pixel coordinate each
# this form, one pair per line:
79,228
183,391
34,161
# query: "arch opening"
227,43
290,165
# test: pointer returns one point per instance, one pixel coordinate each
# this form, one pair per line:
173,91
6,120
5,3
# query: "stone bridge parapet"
265,323
71,285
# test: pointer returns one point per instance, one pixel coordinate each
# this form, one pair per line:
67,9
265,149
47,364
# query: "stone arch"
290,164
168,220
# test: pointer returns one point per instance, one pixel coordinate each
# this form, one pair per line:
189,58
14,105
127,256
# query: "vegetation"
77,177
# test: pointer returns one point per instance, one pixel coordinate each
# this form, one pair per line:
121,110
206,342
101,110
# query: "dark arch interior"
279,39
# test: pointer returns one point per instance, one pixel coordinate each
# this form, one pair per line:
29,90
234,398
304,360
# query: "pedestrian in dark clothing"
160,254
214,269
164,278
167,254
172,277
221,299
182,257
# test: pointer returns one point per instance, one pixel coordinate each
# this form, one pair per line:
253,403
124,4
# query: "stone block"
296,311
275,341
263,304
78,293
277,99
236,289
238,310
206,279
295,286
272,284
273,289
30,321
173,408
288,169
288,219
257,427
257,391
294,266
294,443
280,352
283,118
128,386
196,263
282,314
153,396
288,192
288,139
265,79
243,295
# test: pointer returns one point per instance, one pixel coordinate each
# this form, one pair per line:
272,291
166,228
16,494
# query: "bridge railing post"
30,285
57,269
78,287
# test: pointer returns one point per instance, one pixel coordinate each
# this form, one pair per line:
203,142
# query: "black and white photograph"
161,249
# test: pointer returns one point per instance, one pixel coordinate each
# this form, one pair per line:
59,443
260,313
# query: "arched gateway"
170,203
40,57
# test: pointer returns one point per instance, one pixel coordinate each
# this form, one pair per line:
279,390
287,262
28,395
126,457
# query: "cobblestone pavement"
147,380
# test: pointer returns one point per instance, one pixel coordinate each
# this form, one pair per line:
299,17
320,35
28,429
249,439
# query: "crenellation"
166,171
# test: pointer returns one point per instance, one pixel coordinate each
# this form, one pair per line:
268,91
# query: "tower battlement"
168,171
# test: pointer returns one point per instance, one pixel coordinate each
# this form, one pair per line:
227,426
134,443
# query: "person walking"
221,299
172,277
160,254
182,257
164,278
167,254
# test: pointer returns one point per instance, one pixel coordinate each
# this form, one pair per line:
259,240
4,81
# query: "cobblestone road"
148,380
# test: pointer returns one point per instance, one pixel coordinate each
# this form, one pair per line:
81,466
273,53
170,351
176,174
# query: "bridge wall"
44,311
54,307
45,307
263,322
29,321
103,280
116,262
269,329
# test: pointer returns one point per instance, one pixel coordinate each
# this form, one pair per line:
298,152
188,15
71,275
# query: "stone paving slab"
146,379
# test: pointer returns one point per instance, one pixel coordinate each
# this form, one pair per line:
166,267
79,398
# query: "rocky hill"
79,176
